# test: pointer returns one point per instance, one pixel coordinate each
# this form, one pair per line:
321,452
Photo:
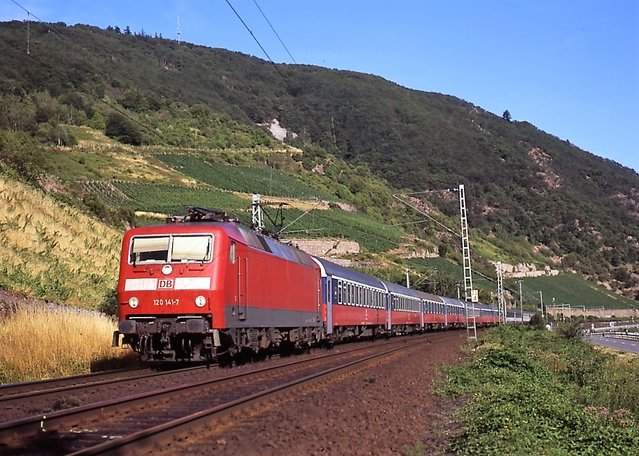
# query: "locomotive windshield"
171,248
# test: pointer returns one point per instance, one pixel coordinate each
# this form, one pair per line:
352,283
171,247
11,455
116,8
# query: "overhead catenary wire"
123,112
257,41
450,230
274,31
397,197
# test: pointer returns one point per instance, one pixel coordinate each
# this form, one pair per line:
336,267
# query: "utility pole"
178,31
407,279
28,33
541,303
500,294
521,302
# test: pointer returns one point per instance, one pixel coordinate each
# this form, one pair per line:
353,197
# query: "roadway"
630,346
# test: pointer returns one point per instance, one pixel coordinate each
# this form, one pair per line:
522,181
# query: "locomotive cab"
167,291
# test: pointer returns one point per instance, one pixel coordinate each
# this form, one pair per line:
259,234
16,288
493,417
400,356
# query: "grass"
41,342
52,251
535,392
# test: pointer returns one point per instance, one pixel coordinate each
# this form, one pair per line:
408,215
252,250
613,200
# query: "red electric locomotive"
207,287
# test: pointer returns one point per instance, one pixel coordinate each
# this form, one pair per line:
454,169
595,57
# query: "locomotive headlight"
200,301
134,302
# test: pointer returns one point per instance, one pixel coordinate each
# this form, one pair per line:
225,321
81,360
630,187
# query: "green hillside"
129,123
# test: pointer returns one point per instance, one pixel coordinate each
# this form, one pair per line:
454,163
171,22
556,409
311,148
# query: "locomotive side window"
232,252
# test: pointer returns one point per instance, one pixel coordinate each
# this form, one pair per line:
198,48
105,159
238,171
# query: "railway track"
13,391
24,399
128,423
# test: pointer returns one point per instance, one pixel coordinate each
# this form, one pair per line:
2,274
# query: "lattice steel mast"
471,322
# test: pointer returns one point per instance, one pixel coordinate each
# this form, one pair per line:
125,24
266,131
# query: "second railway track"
84,429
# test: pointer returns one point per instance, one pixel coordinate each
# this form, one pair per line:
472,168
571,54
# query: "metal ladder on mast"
471,321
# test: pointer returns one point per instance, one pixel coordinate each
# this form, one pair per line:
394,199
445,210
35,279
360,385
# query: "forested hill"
523,185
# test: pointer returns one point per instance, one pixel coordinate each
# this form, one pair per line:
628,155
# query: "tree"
120,128
506,115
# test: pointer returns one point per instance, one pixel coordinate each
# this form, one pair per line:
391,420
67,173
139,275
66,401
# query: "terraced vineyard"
240,178
571,289
172,199
372,235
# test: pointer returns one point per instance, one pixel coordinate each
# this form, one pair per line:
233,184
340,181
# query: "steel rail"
19,387
16,430
81,386
138,440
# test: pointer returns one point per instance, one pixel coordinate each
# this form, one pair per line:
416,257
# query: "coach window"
339,291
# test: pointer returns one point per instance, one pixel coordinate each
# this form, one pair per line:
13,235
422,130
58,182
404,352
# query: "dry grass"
52,251
41,342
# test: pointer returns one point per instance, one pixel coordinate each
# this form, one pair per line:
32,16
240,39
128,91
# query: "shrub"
534,392
537,321
120,128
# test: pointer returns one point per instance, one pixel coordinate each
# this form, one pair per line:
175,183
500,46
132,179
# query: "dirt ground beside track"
385,410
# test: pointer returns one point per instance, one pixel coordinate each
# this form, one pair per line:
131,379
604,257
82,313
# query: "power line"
276,34
426,215
24,9
123,112
257,41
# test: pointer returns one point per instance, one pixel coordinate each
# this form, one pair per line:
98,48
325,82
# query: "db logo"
165,283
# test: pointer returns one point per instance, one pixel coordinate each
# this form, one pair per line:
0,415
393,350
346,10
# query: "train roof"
235,231
333,269
432,297
453,301
188,227
399,289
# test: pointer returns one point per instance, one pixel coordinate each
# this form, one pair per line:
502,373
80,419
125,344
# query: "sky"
570,67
